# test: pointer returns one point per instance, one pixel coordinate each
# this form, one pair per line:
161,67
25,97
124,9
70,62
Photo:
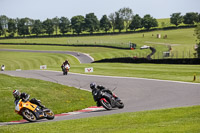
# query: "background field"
182,42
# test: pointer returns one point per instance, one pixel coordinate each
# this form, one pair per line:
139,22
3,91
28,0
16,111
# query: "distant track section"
83,58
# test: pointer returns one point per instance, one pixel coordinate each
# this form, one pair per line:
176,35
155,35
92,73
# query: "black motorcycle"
108,100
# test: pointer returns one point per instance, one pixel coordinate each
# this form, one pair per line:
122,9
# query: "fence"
163,55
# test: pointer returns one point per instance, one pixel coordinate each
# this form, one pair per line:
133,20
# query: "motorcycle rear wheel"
29,115
106,105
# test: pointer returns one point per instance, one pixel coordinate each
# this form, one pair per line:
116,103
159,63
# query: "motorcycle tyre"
107,106
120,105
28,119
51,116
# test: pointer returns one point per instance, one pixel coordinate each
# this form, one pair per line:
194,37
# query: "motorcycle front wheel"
29,115
50,115
120,104
105,104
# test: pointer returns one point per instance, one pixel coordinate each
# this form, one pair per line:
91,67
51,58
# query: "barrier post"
194,79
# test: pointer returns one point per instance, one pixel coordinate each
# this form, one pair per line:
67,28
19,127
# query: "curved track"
83,58
138,94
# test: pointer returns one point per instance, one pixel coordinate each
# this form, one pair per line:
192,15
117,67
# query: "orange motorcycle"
32,112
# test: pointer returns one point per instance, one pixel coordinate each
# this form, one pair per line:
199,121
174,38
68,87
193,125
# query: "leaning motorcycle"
109,101
32,112
66,69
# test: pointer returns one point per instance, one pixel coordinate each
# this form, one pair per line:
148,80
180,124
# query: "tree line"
119,20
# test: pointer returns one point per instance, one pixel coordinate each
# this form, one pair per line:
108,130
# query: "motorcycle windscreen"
17,105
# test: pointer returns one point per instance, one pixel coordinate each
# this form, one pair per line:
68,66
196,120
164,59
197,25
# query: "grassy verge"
158,121
57,97
96,52
152,71
26,61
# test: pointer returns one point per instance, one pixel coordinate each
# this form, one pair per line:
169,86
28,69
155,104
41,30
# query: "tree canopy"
136,22
105,23
148,22
77,23
176,19
91,23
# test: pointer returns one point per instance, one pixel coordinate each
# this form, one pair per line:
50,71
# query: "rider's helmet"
93,86
16,93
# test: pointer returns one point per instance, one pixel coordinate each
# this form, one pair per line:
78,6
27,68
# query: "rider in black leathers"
25,97
64,63
96,89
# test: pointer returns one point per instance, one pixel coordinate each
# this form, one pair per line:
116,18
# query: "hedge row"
154,61
100,34
73,45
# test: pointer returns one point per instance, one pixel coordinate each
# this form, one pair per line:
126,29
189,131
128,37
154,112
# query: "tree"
22,27
48,26
37,27
176,19
77,24
112,20
126,14
190,18
1,29
91,23
198,18
64,25
56,24
197,32
148,22
119,23
136,22
105,23
4,23
11,27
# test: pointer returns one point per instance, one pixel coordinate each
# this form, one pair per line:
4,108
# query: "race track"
137,94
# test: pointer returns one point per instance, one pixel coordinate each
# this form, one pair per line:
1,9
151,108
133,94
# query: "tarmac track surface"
137,94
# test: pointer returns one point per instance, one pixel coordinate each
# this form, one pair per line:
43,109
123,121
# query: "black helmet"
93,85
16,93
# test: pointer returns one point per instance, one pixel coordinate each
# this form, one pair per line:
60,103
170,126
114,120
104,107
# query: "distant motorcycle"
108,100
32,112
66,69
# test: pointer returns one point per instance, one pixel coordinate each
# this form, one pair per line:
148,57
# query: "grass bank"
57,97
27,61
180,120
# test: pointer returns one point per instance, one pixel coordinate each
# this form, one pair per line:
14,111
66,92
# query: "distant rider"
64,64
3,67
96,89
25,97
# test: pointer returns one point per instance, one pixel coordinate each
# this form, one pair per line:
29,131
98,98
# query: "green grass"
27,61
151,71
96,52
57,97
181,120
181,41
